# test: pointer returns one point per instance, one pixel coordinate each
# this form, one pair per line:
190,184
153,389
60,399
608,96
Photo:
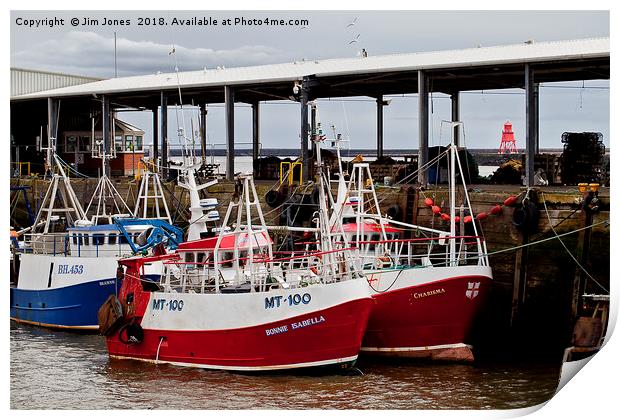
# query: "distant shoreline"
345,152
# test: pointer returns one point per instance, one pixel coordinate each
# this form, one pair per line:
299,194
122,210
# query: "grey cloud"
92,54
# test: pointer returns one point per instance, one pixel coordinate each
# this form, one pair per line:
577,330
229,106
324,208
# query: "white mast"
105,192
71,206
151,191
453,157
187,177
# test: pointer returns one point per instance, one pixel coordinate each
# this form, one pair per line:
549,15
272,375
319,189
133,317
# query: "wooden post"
519,279
583,253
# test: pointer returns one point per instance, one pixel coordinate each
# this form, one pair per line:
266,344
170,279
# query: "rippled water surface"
68,371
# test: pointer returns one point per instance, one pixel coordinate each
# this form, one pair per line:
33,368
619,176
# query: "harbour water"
60,370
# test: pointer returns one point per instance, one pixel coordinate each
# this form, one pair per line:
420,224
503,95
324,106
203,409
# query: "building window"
129,143
84,145
138,143
118,143
71,144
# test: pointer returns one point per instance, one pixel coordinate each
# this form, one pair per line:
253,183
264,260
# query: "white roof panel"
471,57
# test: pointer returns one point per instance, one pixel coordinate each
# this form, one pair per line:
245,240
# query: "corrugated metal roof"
471,57
25,81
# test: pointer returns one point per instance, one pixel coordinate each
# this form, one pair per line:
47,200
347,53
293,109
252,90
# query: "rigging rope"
566,248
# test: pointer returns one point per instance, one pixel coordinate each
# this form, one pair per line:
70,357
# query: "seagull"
354,39
173,51
352,23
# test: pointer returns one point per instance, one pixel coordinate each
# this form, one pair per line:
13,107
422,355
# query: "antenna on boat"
201,211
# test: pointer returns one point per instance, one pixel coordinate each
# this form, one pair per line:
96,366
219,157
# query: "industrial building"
524,66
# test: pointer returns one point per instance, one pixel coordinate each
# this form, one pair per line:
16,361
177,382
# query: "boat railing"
420,252
258,273
77,245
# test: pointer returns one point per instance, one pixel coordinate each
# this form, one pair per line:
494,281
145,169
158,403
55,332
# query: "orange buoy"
436,209
482,215
445,217
428,202
467,219
510,201
457,219
496,209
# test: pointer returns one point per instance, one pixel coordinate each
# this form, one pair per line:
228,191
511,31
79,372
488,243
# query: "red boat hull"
329,336
431,320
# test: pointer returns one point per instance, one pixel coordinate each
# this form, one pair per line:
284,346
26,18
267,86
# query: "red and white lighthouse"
508,143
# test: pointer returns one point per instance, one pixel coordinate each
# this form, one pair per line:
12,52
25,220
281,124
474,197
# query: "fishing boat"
429,288
227,303
68,261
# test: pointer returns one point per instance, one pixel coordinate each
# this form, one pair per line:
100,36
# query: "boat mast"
71,205
187,171
453,157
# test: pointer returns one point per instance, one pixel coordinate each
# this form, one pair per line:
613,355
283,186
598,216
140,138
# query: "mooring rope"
566,248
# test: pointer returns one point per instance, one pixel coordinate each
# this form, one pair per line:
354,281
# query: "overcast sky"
89,50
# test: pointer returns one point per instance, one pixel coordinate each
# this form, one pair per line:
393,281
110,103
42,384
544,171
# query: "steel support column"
313,134
537,116
422,126
530,126
52,129
456,115
203,132
229,105
155,154
163,132
255,131
105,118
303,100
380,105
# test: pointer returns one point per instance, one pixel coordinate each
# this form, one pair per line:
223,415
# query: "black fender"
525,216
